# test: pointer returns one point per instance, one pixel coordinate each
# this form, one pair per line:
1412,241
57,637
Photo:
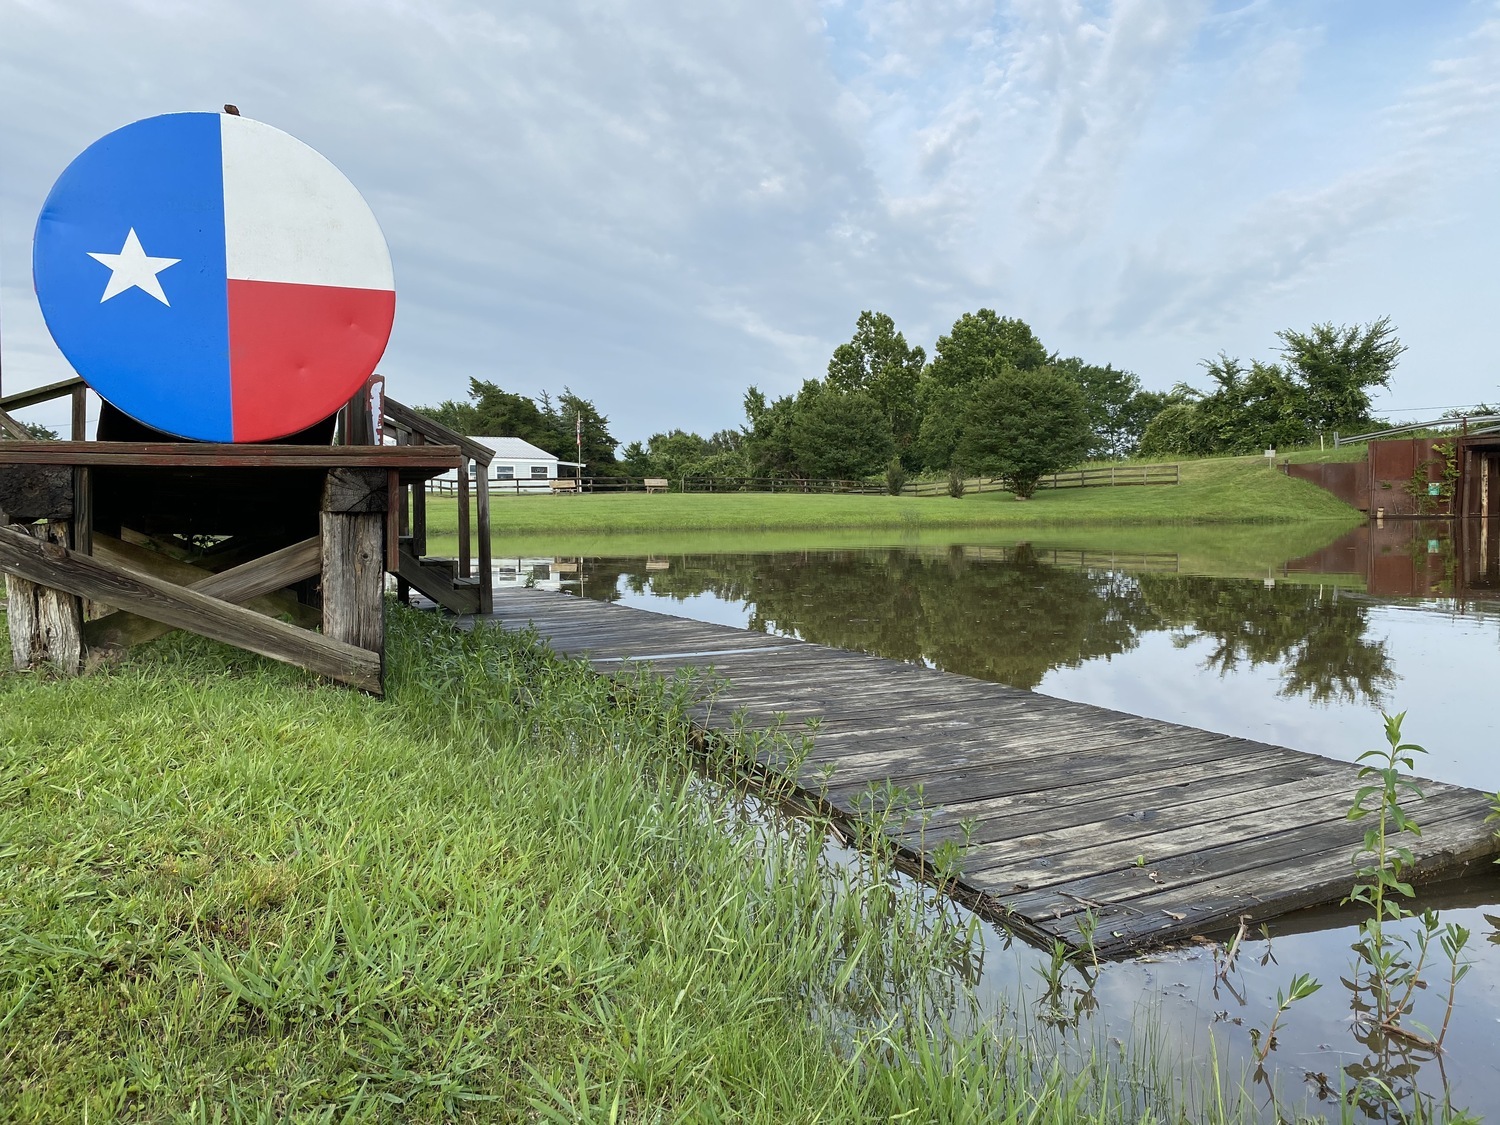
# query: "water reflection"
1014,614
1302,652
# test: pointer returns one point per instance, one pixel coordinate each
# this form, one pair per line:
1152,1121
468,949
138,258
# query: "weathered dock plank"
1078,823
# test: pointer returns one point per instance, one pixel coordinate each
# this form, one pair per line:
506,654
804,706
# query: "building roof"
515,449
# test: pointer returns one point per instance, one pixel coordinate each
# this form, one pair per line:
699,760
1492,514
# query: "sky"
658,204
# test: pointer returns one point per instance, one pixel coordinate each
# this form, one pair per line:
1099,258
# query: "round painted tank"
213,277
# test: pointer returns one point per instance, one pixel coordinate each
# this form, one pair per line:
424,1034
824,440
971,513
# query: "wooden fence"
1111,475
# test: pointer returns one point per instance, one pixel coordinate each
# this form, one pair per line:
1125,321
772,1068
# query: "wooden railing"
405,426
75,388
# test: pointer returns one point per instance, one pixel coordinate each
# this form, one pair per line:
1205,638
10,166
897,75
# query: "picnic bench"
656,484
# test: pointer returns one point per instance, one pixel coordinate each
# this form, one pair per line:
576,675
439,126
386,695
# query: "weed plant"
231,893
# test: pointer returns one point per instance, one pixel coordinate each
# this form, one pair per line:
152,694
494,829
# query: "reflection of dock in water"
1078,817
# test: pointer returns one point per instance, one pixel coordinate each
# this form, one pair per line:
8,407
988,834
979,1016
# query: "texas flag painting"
213,277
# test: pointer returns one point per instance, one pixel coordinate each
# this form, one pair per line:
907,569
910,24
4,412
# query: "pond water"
1303,651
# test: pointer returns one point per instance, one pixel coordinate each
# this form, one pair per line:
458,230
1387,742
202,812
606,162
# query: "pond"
1304,649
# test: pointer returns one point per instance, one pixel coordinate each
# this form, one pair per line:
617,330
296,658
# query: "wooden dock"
1078,818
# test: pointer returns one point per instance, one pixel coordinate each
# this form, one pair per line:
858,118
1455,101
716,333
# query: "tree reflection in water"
1006,615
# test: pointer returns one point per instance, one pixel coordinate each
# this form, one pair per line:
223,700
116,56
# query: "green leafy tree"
571,417
1119,410
1337,366
839,435
493,412
877,361
1022,425
768,445
980,344
1175,431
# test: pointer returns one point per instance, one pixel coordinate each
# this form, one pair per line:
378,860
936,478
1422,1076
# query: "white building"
518,466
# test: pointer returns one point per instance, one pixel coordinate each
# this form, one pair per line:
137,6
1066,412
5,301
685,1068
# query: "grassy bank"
1230,490
232,893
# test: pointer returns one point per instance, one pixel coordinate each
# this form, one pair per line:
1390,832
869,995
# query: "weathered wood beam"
253,584
45,623
11,428
352,491
417,461
353,563
37,395
54,566
36,492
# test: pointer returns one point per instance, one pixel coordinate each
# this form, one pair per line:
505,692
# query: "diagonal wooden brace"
56,566
246,583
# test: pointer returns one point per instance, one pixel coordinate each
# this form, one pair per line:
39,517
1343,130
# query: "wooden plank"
353,567
486,547
424,460
10,428
45,622
421,424
38,395
62,569
355,490
1057,800
251,584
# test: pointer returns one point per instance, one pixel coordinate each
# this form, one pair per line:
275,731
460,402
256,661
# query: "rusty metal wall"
1348,480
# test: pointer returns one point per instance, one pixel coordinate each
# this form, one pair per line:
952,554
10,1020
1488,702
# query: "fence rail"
1112,475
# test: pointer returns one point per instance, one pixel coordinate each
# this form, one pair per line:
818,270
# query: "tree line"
992,400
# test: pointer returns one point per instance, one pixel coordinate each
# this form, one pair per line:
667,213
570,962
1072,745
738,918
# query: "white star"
132,268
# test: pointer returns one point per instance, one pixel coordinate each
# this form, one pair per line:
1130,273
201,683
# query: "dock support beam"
353,557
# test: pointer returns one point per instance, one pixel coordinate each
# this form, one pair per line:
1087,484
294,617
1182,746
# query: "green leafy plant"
1396,964
956,483
1301,987
895,476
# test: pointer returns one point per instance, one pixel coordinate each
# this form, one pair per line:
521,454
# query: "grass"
1224,490
232,893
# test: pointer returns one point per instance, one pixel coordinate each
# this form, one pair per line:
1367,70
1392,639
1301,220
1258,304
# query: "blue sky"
658,204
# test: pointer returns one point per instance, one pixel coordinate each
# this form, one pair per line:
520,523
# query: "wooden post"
353,559
80,418
482,521
463,515
46,625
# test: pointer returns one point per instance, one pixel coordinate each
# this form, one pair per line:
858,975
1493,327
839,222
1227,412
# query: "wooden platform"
1151,831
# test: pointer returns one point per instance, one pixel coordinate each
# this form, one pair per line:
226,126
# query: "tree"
980,344
492,412
1022,425
1338,365
839,435
878,362
574,422
1175,432
1119,410
768,445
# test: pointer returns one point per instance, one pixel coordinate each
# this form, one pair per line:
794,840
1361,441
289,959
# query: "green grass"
1224,490
232,893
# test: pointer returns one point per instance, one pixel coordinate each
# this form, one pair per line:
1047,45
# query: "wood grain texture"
55,566
36,492
254,584
355,490
45,623
1067,814
415,462
353,566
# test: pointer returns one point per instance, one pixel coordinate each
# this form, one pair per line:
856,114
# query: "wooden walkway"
1079,817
